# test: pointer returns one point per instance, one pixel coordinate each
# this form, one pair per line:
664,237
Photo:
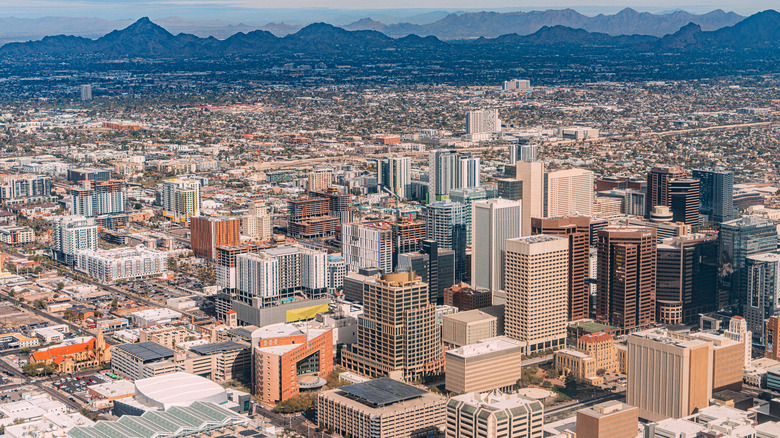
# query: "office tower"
668,377
577,231
611,419
516,85
209,232
658,185
71,234
494,221
407,234
523,152
739,332
686,278
449,170
634,202
394,174
320,180
367,246
445,223
434,265
466,197
762,295
256,223
685,200
86,92
536,285
181,199
483,122
397,332
97,198
531,176
772,338
626,277
568,192
739,239
716,198
494,415
468,168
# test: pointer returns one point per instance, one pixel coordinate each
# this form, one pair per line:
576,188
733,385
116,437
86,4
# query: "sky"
263,11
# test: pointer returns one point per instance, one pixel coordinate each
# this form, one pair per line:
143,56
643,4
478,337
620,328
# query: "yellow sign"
306,312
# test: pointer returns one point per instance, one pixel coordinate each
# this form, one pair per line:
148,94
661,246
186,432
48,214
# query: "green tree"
600,372
114,304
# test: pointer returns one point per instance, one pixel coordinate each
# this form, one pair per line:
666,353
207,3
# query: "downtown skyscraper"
494,221
716,198
449,170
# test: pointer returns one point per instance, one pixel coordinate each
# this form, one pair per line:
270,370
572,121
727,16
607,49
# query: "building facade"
71,234
181,199
209,232
494,221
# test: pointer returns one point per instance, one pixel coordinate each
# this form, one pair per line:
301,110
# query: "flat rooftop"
491,345
383,392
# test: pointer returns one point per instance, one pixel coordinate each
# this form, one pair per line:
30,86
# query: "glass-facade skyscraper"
716,194
739,239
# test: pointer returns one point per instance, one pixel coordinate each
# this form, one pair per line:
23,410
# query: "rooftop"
492,345
383,392
146,351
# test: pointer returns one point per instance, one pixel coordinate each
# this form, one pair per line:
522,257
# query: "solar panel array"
147,351
383,392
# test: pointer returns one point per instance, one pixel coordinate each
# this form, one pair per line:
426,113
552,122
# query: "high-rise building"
466,197
86,92
611,419
449,170
668,377
445,223
434,265
716,198
634,202
523,152
181,199
97,198
685,200
226,263
739,332
762,294
626,277
686,278
93,174
536,284
407,234
340,203
494,415
577,230
397,332
483,122
209,232
529,188
367,246
71,234
319,180
494,221
739,239
568,192
395,175
772,338
658,185
310,217
256,223
24,189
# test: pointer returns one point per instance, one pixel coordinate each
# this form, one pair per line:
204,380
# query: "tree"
172,264
40,304
553,373
600,372
114,304
571,384
60,285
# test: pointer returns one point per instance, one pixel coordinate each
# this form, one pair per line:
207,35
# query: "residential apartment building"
71,234
181,199
110,265
209,232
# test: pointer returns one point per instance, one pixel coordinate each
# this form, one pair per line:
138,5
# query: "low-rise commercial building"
465,328
611,419
490,364
381,408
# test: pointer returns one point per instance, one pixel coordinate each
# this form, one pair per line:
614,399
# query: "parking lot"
76,384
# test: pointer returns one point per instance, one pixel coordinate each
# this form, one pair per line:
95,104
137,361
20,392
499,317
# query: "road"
55,394
297,423
583,404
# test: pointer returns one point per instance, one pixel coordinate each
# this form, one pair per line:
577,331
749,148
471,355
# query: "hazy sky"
269,10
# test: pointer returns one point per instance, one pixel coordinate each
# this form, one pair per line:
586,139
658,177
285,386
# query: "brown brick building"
208,232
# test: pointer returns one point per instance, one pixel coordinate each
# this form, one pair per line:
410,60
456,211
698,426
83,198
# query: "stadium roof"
176,421
383,392
146,351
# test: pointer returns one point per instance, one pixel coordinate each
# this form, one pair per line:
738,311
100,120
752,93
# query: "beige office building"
668,376
494,415
537,282
470,327
320,179
381,408
569,192
491,364
611,419
532,176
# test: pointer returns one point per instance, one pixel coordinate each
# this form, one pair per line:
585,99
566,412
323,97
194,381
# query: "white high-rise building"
395,174
739,332
762,298
181,199
483,122
367,246
569,192
493,222
257,275
337,269
536,284
86,92
71,234
523,152
256,223
450,170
